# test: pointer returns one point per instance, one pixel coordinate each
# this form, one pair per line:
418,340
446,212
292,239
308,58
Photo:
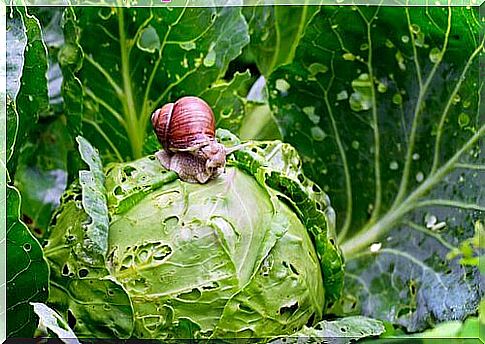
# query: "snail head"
215,154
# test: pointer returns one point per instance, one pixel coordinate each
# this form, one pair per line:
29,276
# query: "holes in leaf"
65,270
192,295
162,252
263,145
71,319
128,170
152,157
343,329
301,178
212,286
110,292
288,310
83,273
310,321
118,191
171,221
245,308
254,150
27,247
316,188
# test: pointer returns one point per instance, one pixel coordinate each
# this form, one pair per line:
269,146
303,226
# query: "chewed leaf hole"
288,310
65,270
213,285
83,273
343,329
118,191
192,295
71,319
128,170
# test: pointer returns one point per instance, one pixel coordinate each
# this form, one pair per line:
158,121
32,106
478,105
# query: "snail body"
186,131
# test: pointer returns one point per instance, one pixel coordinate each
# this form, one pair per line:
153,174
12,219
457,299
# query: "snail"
186,131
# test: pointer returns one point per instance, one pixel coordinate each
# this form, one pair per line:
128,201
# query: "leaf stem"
135,133
370,234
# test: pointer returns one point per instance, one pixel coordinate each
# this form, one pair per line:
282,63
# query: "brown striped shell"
187,124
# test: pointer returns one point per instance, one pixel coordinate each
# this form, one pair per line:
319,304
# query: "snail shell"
185,125
186,132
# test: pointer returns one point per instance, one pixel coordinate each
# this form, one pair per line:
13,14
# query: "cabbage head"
136,253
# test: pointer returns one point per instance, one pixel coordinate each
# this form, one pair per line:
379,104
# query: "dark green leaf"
382,103
275,32
12,126
70,60
135,60
30,92
41,175
27,272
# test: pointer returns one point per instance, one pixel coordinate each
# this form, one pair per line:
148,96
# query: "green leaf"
12,127
49,319
382,104
70,60
135,60
81,290
41,175
28,88
94,203
275,32
278,166
27,272
342,331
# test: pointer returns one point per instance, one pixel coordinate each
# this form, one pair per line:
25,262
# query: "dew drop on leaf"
187,45
393,165
381,87
405,39
419,177
318,134
348,57
416,156
435,55
283,86
342,95
415,28
316,68
210,58
355,144
456,99
397,99
463,120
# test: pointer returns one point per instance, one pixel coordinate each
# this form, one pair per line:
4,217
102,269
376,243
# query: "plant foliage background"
382,104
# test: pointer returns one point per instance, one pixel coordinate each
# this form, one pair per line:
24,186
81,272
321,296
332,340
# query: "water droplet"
318,134
364,46
416,156
400,61
415,28
419,177
438,226
463,120
283,86
210,58
375,247
31,98
430,220
397,99
355,144
316,68
348,57
361,99
389,44
405,39
456,99
466,104
381,87
187,45
310,112
435,55
342,95
393,165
